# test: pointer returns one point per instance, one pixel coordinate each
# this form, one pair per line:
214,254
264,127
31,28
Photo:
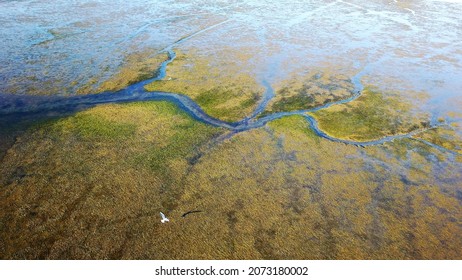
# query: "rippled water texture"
57,47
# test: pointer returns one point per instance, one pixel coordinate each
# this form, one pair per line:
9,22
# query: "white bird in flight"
164,218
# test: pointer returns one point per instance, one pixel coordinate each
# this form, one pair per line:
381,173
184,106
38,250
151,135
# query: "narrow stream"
29,109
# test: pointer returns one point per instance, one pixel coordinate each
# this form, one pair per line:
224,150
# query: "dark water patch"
459,195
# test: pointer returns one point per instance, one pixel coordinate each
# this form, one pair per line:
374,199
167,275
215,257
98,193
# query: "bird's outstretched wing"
164,218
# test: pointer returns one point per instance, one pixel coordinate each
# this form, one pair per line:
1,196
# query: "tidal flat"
228,95
300,130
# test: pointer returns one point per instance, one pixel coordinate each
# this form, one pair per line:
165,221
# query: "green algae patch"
222,91
305,91
371,116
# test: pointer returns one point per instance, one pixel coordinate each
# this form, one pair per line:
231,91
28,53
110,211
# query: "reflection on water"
59,47
87,186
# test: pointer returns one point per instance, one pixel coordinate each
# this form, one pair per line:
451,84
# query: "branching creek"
26,110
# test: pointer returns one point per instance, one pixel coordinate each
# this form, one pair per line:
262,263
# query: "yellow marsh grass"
92,186
94,171
136,67
228,95
443,136
371,116
309,90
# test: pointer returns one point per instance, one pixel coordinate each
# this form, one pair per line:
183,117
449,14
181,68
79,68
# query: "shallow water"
54,48
76,195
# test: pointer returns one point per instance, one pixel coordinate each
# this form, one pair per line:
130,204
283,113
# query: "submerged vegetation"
444,137
136,67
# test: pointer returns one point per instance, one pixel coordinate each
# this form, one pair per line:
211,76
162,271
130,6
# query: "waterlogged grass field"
310,90
272,193
301,130
226,95
373,115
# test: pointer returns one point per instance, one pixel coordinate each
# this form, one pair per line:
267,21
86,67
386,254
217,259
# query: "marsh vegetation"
221,94
309,91
87,179
272,193
371,116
